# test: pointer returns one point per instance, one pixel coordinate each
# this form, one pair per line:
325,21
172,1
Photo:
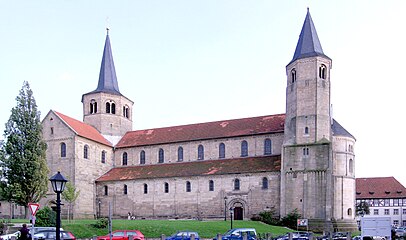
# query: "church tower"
106,108
307,178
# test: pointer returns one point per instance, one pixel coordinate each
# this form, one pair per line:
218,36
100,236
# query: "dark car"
123,235
183,235
295,236
237,234
51,234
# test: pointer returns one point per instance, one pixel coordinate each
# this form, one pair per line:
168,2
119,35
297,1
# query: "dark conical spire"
308,44
107,77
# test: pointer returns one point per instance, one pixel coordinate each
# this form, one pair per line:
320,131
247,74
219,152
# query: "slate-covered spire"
107,77
309,43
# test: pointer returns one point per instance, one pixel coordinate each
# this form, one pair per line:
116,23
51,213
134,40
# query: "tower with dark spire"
309,181
106,108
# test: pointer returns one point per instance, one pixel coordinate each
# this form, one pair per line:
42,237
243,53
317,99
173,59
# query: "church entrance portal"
238,213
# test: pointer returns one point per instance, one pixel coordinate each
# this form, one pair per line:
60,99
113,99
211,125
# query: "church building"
300,160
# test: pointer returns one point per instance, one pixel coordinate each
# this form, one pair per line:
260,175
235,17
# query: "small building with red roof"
385,196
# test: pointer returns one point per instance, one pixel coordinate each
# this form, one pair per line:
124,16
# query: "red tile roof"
201,131
195,168
380,187
83,129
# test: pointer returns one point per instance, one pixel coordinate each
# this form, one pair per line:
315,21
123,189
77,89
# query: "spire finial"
307,9
107,25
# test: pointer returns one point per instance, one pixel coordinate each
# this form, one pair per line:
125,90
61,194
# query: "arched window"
188,187
236,184
106,190
264,183
322,71
349,212
63,149
306,151
142,157
222,150
293,75
85,151
107,107
351,166
145,188
267,147
200,152
125,158
211,185
244,148
161,156
306,130
166,187
126,111
103,156
125,189
113,108
93,106
180,154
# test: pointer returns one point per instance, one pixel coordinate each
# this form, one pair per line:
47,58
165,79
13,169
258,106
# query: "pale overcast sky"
189,61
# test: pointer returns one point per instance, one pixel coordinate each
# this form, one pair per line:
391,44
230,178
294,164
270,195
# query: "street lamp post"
58,183
225,208
231,216
99,215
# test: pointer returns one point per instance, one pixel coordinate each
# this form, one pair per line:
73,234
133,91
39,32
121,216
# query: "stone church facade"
302,159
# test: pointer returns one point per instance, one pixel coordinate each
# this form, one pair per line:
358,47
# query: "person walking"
24,233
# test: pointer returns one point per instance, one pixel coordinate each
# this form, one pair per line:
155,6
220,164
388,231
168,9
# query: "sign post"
303,223
33,208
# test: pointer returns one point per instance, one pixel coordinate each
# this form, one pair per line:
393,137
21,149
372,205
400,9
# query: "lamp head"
58,182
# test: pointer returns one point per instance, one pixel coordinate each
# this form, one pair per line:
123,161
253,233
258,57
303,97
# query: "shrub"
101,223
45,217
290,220
269,217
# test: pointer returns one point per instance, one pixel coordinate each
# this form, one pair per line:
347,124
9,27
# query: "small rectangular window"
52,130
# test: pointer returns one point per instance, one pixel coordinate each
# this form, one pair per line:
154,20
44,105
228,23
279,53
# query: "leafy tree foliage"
22,158
362,208
45,217
70,195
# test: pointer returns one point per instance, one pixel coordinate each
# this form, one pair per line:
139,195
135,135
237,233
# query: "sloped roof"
338,130
195,168
107,78
83,129
200,131
308,44
379,187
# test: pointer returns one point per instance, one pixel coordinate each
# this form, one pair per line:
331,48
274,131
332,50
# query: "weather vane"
107,25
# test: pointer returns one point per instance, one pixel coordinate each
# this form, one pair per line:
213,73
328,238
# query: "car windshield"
118,234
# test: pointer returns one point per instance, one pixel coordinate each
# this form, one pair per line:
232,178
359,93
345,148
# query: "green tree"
362,208
22,158
70,195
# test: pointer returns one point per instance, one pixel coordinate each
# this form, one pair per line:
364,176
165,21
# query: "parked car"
51,234
40,229
295,236
183,235
17,234
123,235
400,232
237,233
10,235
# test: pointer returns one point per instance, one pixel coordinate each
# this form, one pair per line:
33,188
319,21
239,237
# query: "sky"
189,61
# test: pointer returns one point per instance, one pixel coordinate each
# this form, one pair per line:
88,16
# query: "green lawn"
154,228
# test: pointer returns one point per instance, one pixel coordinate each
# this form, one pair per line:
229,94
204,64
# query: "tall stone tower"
307,177
106,108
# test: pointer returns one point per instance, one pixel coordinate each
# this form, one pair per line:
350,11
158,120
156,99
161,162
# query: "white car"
10,235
